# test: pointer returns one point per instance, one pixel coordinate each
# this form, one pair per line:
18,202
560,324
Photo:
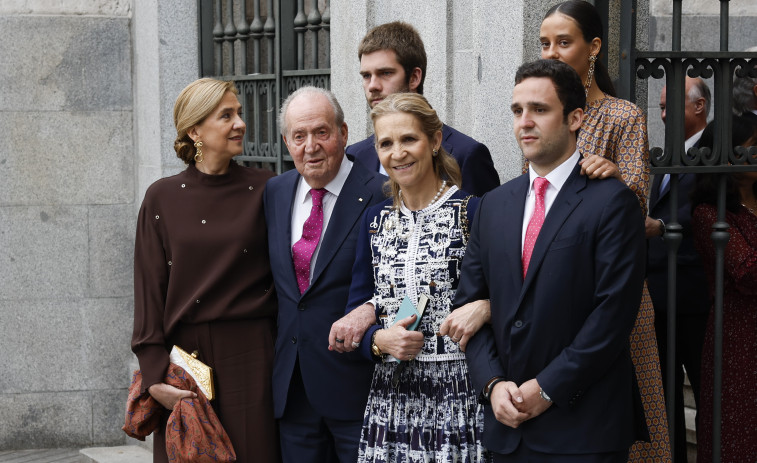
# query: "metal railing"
269,48
722,160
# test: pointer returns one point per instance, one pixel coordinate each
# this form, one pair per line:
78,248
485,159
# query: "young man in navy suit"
312,214
392,60
561,258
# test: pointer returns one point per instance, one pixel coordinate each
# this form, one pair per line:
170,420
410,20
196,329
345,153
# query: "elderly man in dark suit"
392,60
561,258
692,300
313,216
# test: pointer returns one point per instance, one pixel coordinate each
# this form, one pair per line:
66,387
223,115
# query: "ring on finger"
340,341
355,344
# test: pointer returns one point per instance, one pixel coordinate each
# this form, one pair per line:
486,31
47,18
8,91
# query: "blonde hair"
445,166
193,105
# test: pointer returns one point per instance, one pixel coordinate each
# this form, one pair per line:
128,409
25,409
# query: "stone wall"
66,212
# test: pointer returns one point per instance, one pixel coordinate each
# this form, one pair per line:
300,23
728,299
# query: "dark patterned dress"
739,374
616,129
433,414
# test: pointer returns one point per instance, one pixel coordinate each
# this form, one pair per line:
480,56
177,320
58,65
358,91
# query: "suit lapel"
283,237
515,208
565,202
349,207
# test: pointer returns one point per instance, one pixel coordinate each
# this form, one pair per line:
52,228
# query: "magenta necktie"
537,219
302,251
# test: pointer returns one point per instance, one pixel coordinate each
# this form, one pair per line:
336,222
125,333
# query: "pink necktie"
537,219
302,251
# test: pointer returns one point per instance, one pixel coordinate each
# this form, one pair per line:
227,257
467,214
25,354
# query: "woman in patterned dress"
613,141
739,374
424,408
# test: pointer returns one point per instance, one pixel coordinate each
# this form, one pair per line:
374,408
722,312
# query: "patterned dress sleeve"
150,286
631,151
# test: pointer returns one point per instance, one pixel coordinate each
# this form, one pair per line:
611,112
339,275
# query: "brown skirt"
241,355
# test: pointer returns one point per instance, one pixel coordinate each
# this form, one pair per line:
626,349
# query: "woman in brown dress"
613,141
201,273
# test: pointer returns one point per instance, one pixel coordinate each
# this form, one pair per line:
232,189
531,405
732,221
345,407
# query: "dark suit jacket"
691,282
479,174
337,385
568,323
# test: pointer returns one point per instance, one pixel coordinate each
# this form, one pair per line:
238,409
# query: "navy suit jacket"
691,282
474,159
568,323
337,385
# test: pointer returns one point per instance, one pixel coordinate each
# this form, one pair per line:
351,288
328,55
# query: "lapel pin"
360,199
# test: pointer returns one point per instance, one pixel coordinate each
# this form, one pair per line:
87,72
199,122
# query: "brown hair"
404,41
193,105
445,166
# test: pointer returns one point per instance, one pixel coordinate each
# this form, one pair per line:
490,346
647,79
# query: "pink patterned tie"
537,219
302,251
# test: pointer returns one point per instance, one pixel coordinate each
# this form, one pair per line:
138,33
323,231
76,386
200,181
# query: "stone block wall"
67,199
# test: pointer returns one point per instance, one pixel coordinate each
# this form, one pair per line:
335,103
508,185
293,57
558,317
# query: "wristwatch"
544,395
662,227
374,347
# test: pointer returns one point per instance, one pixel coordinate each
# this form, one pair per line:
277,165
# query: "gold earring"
592,61
436,152
198,154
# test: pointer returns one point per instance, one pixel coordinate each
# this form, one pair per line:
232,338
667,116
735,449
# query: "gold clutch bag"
201,373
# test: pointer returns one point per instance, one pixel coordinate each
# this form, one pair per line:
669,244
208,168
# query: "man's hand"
596,166
504,397
462,323
652,227
347,332
533,404
168,395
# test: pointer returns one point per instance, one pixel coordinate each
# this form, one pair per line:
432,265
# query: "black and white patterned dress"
433,414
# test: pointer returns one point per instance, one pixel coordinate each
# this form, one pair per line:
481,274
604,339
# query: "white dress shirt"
691,141
556,180
303,203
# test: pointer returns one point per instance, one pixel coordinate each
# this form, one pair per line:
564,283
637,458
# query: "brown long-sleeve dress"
202,280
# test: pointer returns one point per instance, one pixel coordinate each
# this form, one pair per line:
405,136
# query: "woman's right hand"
167,395
398,341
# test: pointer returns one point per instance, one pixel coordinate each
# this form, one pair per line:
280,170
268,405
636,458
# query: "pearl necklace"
396,219
436,196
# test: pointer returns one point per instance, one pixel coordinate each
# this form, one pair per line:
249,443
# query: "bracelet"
662,227
490,386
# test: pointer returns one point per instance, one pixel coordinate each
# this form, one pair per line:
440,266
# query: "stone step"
40,456
122,454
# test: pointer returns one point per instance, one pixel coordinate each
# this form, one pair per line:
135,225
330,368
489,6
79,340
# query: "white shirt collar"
334,186
692,140
559,174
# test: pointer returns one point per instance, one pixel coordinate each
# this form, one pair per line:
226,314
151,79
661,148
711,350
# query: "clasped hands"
512,405
460,325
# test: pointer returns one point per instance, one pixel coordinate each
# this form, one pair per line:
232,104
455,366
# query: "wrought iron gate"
722,160
269,48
